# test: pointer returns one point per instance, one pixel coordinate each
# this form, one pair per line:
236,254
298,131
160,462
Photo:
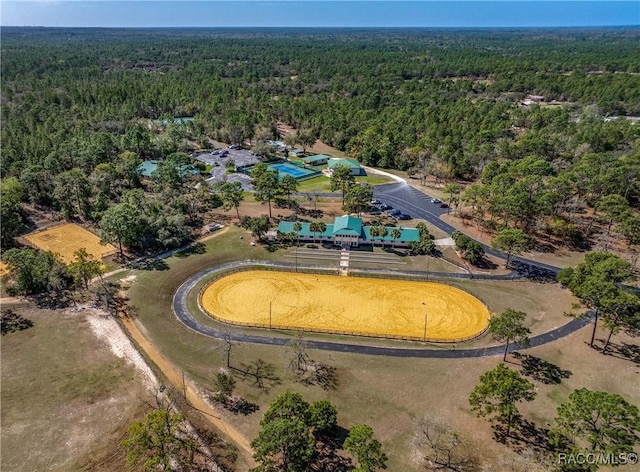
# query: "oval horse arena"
386,308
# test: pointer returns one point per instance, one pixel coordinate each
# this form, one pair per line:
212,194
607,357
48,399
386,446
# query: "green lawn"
375,179
322,184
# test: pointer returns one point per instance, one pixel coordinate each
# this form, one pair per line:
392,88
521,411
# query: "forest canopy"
82,105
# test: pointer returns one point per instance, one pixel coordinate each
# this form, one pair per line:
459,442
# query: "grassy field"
387,393
329,303
66,399
322,184
68,238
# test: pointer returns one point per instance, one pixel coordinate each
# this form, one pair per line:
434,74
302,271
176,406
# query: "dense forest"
449,103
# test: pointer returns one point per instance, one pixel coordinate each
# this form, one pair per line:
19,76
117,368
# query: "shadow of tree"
11,322
626,351
197,248
149,264
52,300
524,435
529,271
327,447
261,372
240,406
321,374
397,252
486,264
541,370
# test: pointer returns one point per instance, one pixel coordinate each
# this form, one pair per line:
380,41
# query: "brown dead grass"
65,404
387,393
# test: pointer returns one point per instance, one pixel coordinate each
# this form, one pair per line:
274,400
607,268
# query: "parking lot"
240,157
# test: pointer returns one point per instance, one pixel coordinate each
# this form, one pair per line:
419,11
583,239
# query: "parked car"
375,212
215,227
404,216
224,153
395,212
216,152
375,201
435,200
444,205
385,207
234,146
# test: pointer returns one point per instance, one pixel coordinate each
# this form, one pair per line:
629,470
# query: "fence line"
245,266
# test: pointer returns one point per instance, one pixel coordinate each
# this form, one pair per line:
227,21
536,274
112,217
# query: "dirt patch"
353,305
192,393
66,400
67,239
107,329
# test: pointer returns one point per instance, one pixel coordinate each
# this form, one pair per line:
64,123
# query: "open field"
387,393
322,184
68,238
361,306
66,399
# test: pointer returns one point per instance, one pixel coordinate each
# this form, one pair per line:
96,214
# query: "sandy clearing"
107,329
355,305
68,238
194,397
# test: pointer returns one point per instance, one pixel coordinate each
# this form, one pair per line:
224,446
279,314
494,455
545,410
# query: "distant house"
176,120
316,160
298,152
531,99
349,231
354,165
147,168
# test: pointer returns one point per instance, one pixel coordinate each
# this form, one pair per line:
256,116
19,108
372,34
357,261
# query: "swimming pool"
297,172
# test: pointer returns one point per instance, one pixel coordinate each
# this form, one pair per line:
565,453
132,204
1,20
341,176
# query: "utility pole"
424,336
270,312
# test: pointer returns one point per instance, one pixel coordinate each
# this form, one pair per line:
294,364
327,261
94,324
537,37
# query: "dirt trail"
175,377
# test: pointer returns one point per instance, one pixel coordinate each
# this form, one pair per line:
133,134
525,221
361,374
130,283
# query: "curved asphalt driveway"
414,202
418,204
182,313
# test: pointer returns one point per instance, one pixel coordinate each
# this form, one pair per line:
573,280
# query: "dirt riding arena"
349,305
67,239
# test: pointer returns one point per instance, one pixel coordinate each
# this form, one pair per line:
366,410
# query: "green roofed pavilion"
347,226
316,160
348,231
352,164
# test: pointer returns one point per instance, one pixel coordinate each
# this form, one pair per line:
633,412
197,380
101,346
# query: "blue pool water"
296,172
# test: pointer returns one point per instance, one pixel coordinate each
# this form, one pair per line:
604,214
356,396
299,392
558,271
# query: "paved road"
182,313
418,204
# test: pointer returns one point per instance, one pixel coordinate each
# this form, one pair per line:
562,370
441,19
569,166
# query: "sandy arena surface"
380,307
68,238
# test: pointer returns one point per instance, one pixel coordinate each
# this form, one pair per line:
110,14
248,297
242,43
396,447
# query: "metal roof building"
348,231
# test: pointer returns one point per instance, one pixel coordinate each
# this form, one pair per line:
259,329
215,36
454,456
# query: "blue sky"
307,13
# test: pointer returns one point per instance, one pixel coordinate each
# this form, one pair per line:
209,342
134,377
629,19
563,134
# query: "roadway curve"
182,313
412,201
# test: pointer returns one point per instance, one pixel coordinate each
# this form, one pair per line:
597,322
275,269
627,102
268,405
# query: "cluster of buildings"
350,232
332,163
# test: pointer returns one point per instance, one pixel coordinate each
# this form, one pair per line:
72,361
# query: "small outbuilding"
352,164
316,160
